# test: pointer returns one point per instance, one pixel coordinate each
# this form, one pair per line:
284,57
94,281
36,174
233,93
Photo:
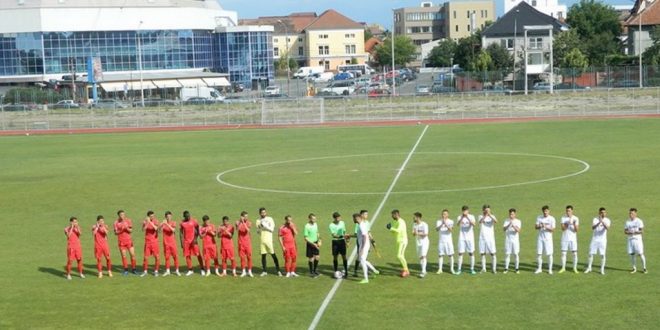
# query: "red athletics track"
332,124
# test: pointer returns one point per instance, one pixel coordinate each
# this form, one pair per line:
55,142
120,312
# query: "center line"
338,282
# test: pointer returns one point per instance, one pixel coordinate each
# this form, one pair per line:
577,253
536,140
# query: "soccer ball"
339,274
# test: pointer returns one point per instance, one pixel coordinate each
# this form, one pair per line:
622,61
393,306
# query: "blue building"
182,40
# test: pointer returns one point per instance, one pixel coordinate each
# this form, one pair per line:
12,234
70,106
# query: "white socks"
423,262
472,262
460,262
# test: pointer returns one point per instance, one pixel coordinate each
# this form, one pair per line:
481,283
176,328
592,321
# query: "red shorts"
170,250
245,250
227,253
210,252
125,245
101,251
290,252
74,253
151,249
190,249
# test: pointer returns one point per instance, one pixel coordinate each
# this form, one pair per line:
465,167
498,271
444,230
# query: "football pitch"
525,165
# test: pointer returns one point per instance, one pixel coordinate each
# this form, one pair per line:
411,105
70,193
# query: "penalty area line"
333,290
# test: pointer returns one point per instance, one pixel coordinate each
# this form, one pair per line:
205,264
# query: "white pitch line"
333,290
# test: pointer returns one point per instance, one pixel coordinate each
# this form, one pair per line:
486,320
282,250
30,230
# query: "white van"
307,71
320,77
207,93
340,87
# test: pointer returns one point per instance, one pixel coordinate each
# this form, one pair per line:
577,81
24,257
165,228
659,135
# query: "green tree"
367,34
651,55
563,43
404,51
467,50
442,54
598,28
576,62
502,60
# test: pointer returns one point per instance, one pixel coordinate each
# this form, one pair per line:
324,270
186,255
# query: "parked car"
422,90
568,85
66,104
541,86
343,76
380,93
407,74
155,102
201,101
322,77
342,87
438,89
397,81
272,90
237,87
109,104
362,82
329,95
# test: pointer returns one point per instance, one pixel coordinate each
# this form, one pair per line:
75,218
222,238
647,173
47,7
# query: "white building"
551,8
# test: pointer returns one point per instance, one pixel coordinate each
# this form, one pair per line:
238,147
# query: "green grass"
46,179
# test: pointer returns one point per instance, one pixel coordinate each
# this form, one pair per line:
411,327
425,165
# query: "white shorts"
267,248
465,246
423,249
635,246
569,245
544,246
487,246
598,246
512,246
446,248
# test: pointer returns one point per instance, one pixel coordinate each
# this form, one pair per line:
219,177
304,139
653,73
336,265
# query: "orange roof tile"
650,15
331,19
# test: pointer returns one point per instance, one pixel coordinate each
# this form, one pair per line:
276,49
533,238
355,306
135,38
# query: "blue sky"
370,11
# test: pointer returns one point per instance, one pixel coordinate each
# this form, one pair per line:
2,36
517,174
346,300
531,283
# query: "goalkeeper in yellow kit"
398,228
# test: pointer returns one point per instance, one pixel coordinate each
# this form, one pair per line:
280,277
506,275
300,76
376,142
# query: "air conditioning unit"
427,4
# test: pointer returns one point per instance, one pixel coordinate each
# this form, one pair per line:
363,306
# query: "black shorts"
312,250
338,247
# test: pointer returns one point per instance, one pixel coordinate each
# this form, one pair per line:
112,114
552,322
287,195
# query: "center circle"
352,170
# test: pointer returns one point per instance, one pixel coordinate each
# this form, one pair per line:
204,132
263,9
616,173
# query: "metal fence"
455,106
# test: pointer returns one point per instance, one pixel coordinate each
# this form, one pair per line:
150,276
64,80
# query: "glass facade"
245,56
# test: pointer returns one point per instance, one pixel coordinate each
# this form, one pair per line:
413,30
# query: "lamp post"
288,68
515,51
139,51
393,76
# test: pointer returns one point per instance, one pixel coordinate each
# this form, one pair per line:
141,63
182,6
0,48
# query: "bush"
32,95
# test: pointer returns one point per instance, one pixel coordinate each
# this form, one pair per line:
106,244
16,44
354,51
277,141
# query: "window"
349,35
533,3
288,39
324,50
426,29
300,40
456,27
468,14
536,43
486,13
276,51
560,15
323,36
274,40
468,27
507,43
301,51
347,62
535,59
454,14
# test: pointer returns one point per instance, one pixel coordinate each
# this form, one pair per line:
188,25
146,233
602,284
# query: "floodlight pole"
139,50
288,69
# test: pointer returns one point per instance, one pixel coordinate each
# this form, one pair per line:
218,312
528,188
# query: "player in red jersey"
168,226
73,248
207,232
245,244
150,228
288,234
123,229
226,232
101,248
188,234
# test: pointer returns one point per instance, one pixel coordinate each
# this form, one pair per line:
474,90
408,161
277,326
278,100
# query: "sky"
369,11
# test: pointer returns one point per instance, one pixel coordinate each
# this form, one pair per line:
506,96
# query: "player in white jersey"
545,224
487,223
466,223
634,228
364,242
569,226
512,242
421,233
600,225
444,227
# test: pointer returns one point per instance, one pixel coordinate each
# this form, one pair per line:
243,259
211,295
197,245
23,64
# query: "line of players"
189,231
545,225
